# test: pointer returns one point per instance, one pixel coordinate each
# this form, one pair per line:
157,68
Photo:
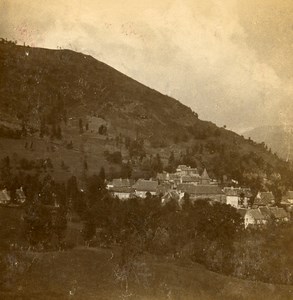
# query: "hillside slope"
89,273
36,81
57,103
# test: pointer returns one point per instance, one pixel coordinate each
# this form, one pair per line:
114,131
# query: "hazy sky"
229,60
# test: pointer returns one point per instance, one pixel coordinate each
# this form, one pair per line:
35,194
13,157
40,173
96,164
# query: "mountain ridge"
56,98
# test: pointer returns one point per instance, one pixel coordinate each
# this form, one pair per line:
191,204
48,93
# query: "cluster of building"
5,196
184,180
257,212
187,180
264,211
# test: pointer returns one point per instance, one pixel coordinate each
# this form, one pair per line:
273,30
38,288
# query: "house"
266,212
20,195
162,177
190,179
4,197
237,197
279,215
186,174
171,195
142,187
254,218
120,182
196,192
164,187
264,199
287,200
258,217
123,193
183,170
121,188
175,179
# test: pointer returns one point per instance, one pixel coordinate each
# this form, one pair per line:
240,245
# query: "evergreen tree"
58,132
80,124
102,173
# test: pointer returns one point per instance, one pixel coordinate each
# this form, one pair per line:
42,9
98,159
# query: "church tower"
205,178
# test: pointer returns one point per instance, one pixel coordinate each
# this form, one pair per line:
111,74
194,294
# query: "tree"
89,230
23,130
75,196
59,224
80,124
85,165
58,132
69,145
126,170
102,173
115,157
129,267
171,160
157,164
186,205
103,130
96,189
38,225
53,131
171,163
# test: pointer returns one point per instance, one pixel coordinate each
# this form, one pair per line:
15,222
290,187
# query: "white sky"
229,60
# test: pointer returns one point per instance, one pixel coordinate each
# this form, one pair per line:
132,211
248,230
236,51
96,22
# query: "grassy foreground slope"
90,274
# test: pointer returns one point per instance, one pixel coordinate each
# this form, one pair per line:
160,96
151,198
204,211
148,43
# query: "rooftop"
119,182
146,185
264,198
199,189
230,191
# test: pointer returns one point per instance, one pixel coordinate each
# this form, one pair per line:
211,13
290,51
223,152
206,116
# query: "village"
187,182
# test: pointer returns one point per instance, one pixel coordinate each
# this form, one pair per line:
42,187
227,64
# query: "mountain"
278,138
81,114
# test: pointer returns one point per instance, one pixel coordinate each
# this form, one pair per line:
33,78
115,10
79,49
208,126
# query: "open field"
86,273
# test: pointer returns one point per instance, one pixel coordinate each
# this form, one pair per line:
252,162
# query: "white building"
4,197
237,197
123,193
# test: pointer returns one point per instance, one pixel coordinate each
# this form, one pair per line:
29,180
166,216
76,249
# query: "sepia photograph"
146,149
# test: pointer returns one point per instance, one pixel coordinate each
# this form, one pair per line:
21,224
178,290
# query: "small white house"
261,216
20,195
123,193
255,218
4,197
121,188
287,199
237,197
